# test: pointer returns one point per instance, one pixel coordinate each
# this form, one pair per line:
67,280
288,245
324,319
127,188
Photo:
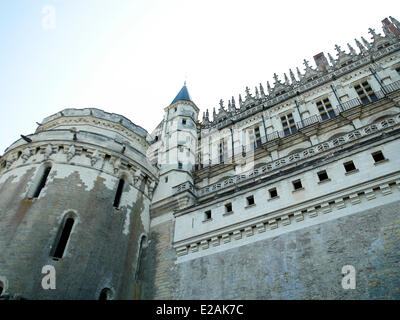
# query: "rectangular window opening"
250,200
378,156
42,182
297,185
207,215
118,195
273,193
228,207
349,166
322,175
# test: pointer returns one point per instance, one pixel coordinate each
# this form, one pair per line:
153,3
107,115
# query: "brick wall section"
303,264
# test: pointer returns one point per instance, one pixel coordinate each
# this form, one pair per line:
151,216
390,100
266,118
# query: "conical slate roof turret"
182,95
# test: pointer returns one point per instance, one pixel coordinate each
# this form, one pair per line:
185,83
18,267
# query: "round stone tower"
74,208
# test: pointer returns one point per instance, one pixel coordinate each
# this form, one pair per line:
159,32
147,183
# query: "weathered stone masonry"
268,199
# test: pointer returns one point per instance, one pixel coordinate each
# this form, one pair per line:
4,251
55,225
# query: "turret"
179,137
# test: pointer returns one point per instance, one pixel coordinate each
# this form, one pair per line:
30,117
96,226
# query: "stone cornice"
67,152
97,123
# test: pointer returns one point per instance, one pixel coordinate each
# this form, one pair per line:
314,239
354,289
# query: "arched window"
62,238
139,258
105,294
118,195
42,181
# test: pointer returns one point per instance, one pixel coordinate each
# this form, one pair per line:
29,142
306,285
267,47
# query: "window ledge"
208,220
250,206
323,181
300,189
274,198
380,162
228,213
351,172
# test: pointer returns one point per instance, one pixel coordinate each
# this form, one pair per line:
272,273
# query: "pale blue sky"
131,57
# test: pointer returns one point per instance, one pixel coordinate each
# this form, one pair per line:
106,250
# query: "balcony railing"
342,107
278,164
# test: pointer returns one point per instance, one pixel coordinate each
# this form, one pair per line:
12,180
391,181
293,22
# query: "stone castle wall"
104,244
302,264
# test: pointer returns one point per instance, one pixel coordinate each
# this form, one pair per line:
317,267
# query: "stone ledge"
298,216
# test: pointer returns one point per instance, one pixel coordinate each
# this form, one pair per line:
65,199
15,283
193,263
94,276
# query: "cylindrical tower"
75,196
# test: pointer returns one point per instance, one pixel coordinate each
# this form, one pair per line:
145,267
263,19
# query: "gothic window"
289,127
42,182
325,109
118,194
62,238
365,92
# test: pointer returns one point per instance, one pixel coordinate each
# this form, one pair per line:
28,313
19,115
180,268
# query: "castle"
269,199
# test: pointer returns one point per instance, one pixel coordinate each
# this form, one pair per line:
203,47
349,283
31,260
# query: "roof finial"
339,50
286,79
262,91
299,73
276,79
221,104
306,64
269,88
331,60
366,43
360,46
352,51
292,77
